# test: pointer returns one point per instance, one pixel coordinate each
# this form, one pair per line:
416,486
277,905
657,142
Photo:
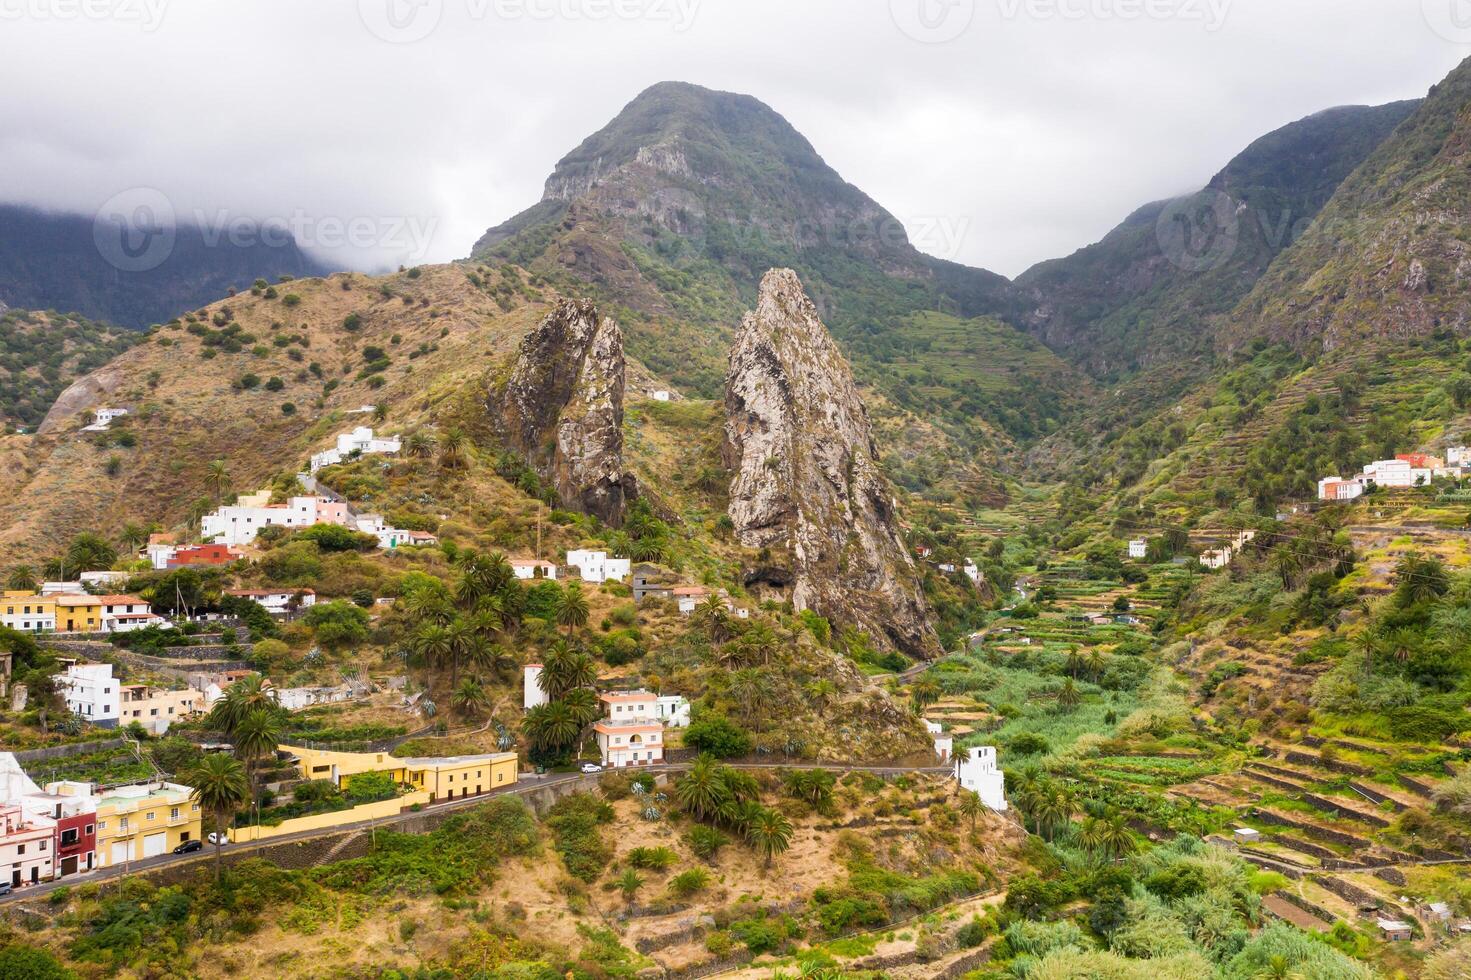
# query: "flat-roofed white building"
359,442
631,734
977,771
237,525
91,693
596,567
527,569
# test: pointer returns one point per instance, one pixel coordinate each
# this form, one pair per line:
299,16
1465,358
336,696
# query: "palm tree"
702,790
256,737
217,479
1096,664
22,579
572,611
1068,696
712,618
1115,840
751,689
434,644
821,692
924,692
629,884
380,413
418,445
771,833
241,699
551,726
133,537
971,807
220,788
452,449
470,696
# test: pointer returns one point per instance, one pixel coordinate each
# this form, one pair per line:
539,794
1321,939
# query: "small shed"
1245,835
1394,931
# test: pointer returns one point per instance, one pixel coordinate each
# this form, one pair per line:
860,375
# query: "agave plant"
652,813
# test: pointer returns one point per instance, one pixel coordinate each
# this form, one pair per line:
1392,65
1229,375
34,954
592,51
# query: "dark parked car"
189,846
6,888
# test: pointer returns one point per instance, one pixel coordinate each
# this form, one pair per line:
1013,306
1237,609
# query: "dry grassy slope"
189,412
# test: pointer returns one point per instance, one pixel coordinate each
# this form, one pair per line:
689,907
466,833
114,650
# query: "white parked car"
218,838
591,767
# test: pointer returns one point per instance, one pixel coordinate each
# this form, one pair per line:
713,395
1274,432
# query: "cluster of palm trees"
567,676
222,784
643,537
729,798
1047,806
462,626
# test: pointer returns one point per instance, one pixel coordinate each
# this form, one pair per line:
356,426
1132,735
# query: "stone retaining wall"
67,751
1312,830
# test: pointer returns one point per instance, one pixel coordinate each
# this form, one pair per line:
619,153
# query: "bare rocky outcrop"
563,409
807,484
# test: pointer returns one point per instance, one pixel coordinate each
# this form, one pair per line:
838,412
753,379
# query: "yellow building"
28,612
449,778
465,775
136,822
78,614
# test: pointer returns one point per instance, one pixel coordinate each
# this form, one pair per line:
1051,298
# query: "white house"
527,569
1216,558
278,602
972,572
596,567
1396,473
91,693
1458,456
661,396
1138,548
1334,488
358,442
673,710
102,419
532,695
237,525
690,597
632,734
62,588
98,580
297,698
979,773
944,747
161,549
27,614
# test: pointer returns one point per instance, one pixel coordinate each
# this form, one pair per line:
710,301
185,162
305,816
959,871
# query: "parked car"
591,767
189,847
6,888
218,838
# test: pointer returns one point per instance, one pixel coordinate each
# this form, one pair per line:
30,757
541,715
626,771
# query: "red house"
74,809
203,554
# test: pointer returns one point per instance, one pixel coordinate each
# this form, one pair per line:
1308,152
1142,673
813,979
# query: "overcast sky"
1002,132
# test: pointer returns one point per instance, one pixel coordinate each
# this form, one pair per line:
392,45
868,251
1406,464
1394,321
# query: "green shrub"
705,841
651,858
687,883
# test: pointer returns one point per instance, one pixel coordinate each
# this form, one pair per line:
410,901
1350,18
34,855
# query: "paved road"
526,783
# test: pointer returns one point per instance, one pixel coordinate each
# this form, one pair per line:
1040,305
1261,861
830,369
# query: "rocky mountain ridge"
563,409
806,485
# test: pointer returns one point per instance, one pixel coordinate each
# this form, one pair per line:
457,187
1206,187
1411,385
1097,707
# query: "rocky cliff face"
807,482
563,409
